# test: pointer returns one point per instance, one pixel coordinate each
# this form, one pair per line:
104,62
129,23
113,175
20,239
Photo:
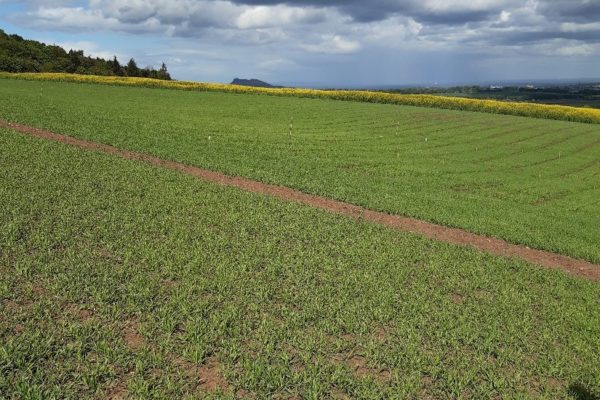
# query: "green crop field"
122,279
119,279
529,181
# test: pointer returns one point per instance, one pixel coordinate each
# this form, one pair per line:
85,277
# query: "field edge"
532,110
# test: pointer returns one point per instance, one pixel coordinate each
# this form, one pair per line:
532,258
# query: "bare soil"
19,328
208,375
132,337
491,245
359,367
118,392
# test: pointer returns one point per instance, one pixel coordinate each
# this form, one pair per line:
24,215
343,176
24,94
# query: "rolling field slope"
528,181
121,279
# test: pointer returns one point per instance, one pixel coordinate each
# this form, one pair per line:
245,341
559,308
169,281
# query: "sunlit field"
529,181
120,279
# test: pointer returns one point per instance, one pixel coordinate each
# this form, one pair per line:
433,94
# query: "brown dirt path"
438,232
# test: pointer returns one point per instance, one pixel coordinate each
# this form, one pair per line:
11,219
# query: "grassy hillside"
529,181
118,278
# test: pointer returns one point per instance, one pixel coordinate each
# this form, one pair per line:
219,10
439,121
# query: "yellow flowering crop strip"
545,111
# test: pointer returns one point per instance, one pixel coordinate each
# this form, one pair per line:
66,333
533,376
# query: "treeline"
21,55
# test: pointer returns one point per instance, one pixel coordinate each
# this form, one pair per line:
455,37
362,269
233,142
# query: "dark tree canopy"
20,55
132,68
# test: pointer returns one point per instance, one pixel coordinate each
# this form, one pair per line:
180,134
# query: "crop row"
544,111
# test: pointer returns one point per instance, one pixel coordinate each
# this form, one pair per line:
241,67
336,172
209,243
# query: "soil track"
442,233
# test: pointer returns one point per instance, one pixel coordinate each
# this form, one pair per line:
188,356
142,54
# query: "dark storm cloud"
362,11
376,10
571,10
525,37
531,37
452,18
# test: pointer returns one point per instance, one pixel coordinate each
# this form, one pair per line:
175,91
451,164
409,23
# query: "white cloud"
585,27
468,5
394,32
263,16
333,45
69,18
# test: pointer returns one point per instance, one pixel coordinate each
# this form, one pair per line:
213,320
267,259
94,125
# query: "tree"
74,60
116,67
163,73
132,68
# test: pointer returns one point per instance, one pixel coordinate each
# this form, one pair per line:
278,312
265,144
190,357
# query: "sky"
330,43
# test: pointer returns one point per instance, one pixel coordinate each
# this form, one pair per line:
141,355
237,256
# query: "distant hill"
252,82
21,55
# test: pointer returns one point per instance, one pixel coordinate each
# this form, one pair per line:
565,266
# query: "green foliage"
20,55
286,300
528,181
132,68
